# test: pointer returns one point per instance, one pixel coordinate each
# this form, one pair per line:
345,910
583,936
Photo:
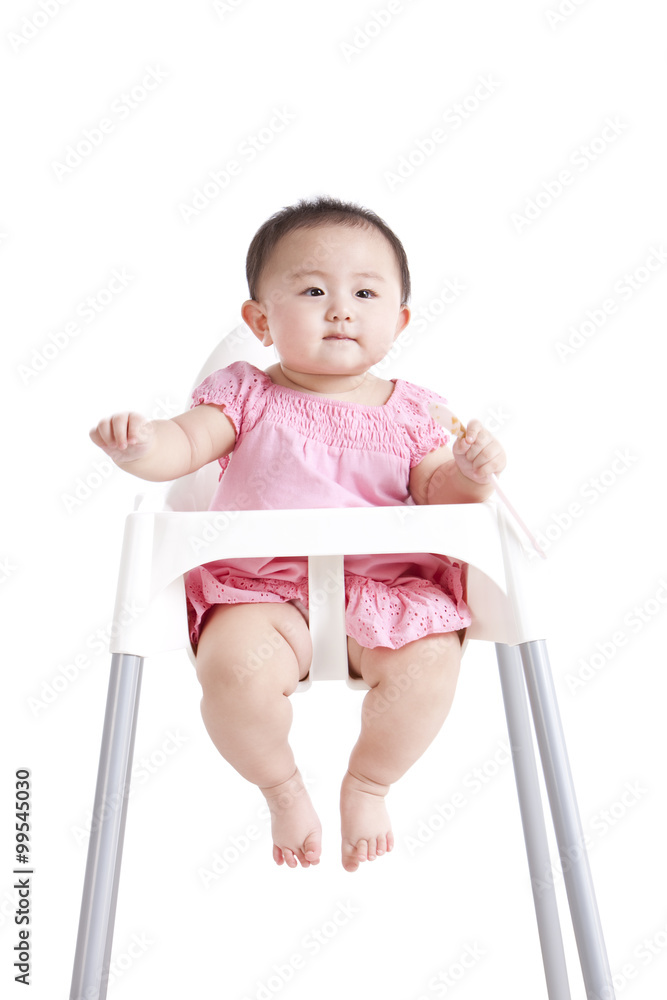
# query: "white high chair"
160,545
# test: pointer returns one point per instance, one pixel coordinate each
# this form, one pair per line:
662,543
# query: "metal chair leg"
532,818
567,824
100,891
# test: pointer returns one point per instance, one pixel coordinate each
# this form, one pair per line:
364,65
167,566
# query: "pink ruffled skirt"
390,599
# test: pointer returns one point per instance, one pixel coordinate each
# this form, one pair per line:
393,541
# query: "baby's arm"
461,475
160,450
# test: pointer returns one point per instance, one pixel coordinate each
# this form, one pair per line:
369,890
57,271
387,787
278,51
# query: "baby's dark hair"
309,214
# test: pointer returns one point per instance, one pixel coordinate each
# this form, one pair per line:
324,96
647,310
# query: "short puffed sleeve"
239,388
424,434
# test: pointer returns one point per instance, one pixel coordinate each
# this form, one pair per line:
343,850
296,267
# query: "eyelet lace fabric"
297,450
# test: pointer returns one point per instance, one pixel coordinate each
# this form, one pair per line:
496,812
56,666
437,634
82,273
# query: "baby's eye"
317,291
366,293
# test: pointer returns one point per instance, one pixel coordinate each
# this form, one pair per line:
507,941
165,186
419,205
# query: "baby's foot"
365,824
295,828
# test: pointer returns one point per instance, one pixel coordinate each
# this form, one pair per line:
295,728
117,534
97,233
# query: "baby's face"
330,299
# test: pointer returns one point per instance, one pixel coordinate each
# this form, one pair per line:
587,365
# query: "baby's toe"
372,849
312,849
362,850
278,855
350,858
289,857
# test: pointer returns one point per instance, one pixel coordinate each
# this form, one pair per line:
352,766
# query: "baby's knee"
247,647
431,660
422,663
439,646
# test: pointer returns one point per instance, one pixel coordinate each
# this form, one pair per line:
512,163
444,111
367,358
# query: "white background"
361,95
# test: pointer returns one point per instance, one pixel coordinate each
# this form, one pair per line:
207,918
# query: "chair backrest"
194,492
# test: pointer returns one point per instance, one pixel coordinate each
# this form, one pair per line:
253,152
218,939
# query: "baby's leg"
412,689
249,660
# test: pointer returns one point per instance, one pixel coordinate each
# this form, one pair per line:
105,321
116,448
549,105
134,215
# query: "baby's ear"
255,317
402,321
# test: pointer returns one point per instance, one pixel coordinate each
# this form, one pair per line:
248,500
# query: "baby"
329,287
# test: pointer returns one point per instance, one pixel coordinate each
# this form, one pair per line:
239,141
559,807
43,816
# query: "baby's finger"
460,448
101,435
486,470
472,431
491,459
477,448
136,428
96,437
477,437
119,424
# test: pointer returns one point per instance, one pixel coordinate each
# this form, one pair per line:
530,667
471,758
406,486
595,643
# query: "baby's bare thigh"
242,639
429,651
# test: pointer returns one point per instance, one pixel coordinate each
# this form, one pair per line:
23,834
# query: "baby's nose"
338,311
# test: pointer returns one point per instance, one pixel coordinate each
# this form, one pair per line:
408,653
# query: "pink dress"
294,450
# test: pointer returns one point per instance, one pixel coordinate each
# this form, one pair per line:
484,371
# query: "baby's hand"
479,454
124,436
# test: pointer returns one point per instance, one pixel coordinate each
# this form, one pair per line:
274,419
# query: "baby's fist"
124,436
479,455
